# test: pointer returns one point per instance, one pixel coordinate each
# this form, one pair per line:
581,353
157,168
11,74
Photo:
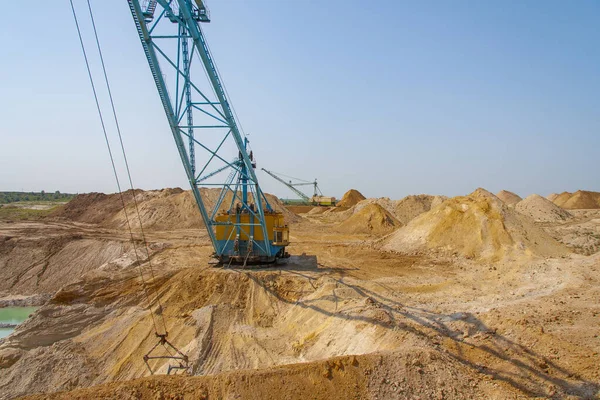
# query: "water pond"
13,316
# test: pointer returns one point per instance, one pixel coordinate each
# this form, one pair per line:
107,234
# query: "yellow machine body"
277,230
323,200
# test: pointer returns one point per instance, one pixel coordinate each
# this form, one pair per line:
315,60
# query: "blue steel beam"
161,86
196,33
289,185
179,29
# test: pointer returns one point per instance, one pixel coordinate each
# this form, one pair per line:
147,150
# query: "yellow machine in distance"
315,200
323,201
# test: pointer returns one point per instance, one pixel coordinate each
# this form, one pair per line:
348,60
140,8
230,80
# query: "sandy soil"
509,198
343,319
351,198
580,200
371,219
581,233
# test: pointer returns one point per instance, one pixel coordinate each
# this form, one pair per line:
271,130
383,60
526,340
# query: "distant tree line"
13,197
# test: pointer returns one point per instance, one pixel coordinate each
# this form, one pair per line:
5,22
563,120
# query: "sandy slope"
581,199
478,226
351,198
541,209
370,219
509,198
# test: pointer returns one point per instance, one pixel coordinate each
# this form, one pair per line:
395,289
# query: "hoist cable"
291,177
137,210
112,160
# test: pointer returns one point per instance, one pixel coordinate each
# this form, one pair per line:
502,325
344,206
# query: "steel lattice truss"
207,135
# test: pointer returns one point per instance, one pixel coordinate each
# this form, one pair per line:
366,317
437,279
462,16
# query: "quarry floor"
340,320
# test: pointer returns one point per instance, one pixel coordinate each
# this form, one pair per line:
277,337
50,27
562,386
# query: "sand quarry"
480,296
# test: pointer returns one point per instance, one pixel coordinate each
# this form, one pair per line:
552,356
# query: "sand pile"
107,209
481,192
509,198
581,199
340,214
478,226
402,210
411,206
370,219
350,198
94,208
159,209
542,210
384,202
552,196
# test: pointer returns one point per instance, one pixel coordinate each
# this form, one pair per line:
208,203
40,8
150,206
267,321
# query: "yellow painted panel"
225,232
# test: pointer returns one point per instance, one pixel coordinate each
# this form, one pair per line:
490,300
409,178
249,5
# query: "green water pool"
13,315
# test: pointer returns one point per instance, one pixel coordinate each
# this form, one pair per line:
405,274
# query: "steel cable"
144,285
137,210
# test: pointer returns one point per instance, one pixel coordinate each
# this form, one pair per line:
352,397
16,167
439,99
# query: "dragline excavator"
241,224
317,198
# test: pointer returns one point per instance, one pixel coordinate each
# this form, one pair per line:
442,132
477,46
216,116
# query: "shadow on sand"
502,359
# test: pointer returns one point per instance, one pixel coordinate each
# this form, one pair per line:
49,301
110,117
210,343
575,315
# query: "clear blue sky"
389,97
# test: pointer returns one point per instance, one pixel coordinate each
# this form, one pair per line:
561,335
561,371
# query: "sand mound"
403,210
159,209
343,213
542,210
509,198
561,198
162,211
411,206
552,196
581,199
93,208
477,226
370,219
385,202
481,192
350,198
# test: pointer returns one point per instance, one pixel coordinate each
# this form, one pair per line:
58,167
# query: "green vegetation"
15,315
14,197
15,213
294,202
